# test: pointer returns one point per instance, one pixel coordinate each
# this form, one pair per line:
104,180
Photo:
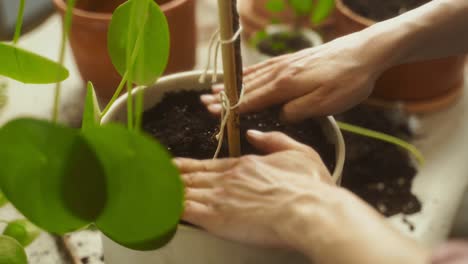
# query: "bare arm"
334,77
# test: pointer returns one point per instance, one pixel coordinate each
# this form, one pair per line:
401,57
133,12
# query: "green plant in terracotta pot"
89,42
283,37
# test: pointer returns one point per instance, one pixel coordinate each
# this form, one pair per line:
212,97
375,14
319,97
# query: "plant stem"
383,137
139,107
66,30
115,95
231,75
19,22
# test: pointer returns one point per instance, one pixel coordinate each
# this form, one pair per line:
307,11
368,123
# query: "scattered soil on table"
378,172
283,43
182,123
379,10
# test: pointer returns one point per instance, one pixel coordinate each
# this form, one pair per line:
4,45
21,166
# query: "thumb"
271,142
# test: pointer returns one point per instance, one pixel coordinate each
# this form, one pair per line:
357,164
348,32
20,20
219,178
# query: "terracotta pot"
422,86
190,244
88,39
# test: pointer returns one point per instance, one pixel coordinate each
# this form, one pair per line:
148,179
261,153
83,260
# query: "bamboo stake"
231,78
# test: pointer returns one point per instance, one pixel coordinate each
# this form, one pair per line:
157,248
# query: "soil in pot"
378,172
282,43
379,10
182,123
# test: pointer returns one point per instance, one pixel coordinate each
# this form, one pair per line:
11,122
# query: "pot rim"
100,16
338,140
345,10
310,34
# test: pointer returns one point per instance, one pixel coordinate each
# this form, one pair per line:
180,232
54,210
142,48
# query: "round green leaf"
50,174
322,10
145,192
27,67
11,252
153,50
23,231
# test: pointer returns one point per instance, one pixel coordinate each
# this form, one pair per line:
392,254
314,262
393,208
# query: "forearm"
350,233
436,30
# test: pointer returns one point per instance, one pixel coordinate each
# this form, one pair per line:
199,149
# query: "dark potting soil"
379,10
182,123
283,43
378,172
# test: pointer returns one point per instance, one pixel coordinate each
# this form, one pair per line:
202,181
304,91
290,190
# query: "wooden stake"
231,79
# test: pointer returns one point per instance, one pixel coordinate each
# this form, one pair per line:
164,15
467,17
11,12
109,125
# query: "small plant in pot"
282,38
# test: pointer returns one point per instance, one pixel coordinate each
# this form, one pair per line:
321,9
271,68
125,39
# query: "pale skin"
276,200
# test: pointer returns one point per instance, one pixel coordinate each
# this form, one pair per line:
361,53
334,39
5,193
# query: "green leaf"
321,11
258,37
27,67
275,6
3,199
92,113
11,252
50,174
301,7
152,54
23,231
145,192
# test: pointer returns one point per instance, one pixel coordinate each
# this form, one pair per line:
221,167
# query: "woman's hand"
246,199
314,82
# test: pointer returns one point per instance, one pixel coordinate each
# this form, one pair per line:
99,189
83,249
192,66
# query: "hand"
245,199
314,82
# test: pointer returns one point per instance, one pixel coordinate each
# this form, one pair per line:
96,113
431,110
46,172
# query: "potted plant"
278,39
63,179
409,82
105,162
88,39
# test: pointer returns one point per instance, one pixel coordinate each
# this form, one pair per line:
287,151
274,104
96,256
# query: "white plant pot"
193,245
251,55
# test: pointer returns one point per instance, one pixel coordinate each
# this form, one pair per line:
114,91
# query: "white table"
440,184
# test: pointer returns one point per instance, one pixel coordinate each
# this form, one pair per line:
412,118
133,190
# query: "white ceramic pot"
193,245
251,55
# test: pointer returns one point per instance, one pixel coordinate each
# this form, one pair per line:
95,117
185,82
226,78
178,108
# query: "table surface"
440,184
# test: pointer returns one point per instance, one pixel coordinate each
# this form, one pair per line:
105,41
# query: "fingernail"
177,162
255,133
217,87
207,98
215,108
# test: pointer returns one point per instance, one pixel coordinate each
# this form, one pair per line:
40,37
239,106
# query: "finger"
310,105
200,179
198,214
217,88
208,99
272,142
204,196
215,109
191,165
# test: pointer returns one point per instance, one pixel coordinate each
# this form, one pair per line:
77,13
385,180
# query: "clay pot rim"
89,15
345,10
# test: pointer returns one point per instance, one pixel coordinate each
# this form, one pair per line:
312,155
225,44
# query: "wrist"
340,228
